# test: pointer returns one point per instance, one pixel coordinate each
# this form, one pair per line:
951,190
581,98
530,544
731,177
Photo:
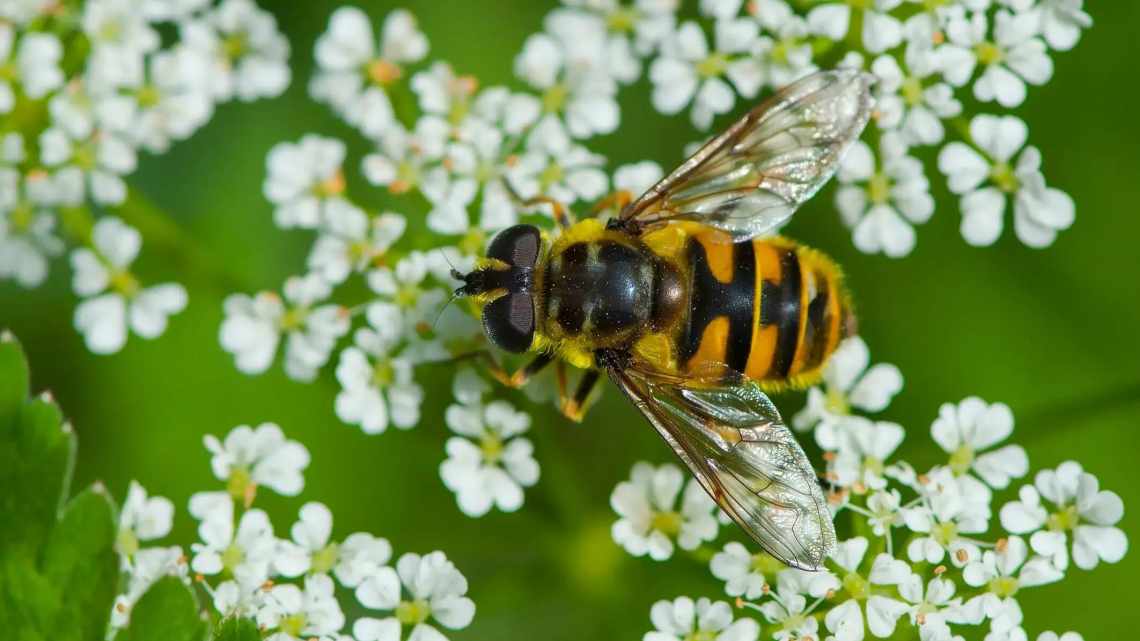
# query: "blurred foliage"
1052,333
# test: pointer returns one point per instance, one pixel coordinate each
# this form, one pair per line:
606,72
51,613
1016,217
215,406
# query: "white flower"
788,610
118,25
488,464
377,386
435,591
1062,22
1052,636
964,430
478,164
933,607
952,507
573,67
881,201
682,619
642,24
360,556
36,65
1014,57
444,94
352,240
553,166
863,449
27,228
244,553
885,508
147,566
636,178
355,73
171,10
302,177
251,329
914,101
688,72
849,381
1079,507
1039,211
406,294
249,57
290,614
311,548
241,596
114,299
846,620
142,518
745,574
166,103
311,330
262,457
787,57
92,161
1004,571
881,30
649,520
403,159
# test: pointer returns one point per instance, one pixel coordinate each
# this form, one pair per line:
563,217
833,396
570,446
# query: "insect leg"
539,363
561,216
617,200
574,408
496,370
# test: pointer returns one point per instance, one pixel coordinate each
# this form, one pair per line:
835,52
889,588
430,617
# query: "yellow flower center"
551,175
293,625
766,564
382,72
413,612
836,402
555,98
473,241
148,96
127,543
124,283
945,533
325,558
235,46
713,66
912,91
989,53
232,557
334,185
20,219
1066,519
622,19
1002,175
879,188
238,483
668,523
1004,586
961,460
492,448
9,71
293,319
383,373
701,635
856,586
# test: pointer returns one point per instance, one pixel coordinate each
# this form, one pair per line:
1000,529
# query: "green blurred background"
1052,333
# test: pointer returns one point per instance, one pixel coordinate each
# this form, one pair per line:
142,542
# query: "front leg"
574,407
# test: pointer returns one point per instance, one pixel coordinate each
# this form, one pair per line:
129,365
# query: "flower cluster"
77,118
914,550
289,585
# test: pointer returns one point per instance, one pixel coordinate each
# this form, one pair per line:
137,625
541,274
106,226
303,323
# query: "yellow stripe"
713,345
807,286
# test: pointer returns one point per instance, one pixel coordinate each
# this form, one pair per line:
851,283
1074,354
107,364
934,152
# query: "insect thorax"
604,289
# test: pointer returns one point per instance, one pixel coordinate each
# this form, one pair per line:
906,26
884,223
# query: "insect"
694,311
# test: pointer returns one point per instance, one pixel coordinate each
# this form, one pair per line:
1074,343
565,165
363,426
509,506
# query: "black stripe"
712,299
585,386
780,306
570,315
818,333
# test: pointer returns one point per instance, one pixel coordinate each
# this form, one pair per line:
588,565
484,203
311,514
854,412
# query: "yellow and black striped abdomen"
770,309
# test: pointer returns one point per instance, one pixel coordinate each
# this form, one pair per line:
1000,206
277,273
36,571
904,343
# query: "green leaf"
13,379
59,572
167,612
237,629
36,457
80,560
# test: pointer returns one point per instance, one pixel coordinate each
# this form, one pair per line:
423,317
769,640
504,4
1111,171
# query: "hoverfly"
695,311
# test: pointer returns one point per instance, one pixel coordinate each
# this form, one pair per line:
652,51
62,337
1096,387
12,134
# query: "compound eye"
517,246
508,322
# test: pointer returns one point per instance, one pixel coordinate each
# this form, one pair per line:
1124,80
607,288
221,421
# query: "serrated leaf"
167,612
237,629
80,559
13,379
36,453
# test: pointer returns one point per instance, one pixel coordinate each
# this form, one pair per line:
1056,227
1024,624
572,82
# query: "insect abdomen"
769,309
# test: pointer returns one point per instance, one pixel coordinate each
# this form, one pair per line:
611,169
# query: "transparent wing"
733,440
750,179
